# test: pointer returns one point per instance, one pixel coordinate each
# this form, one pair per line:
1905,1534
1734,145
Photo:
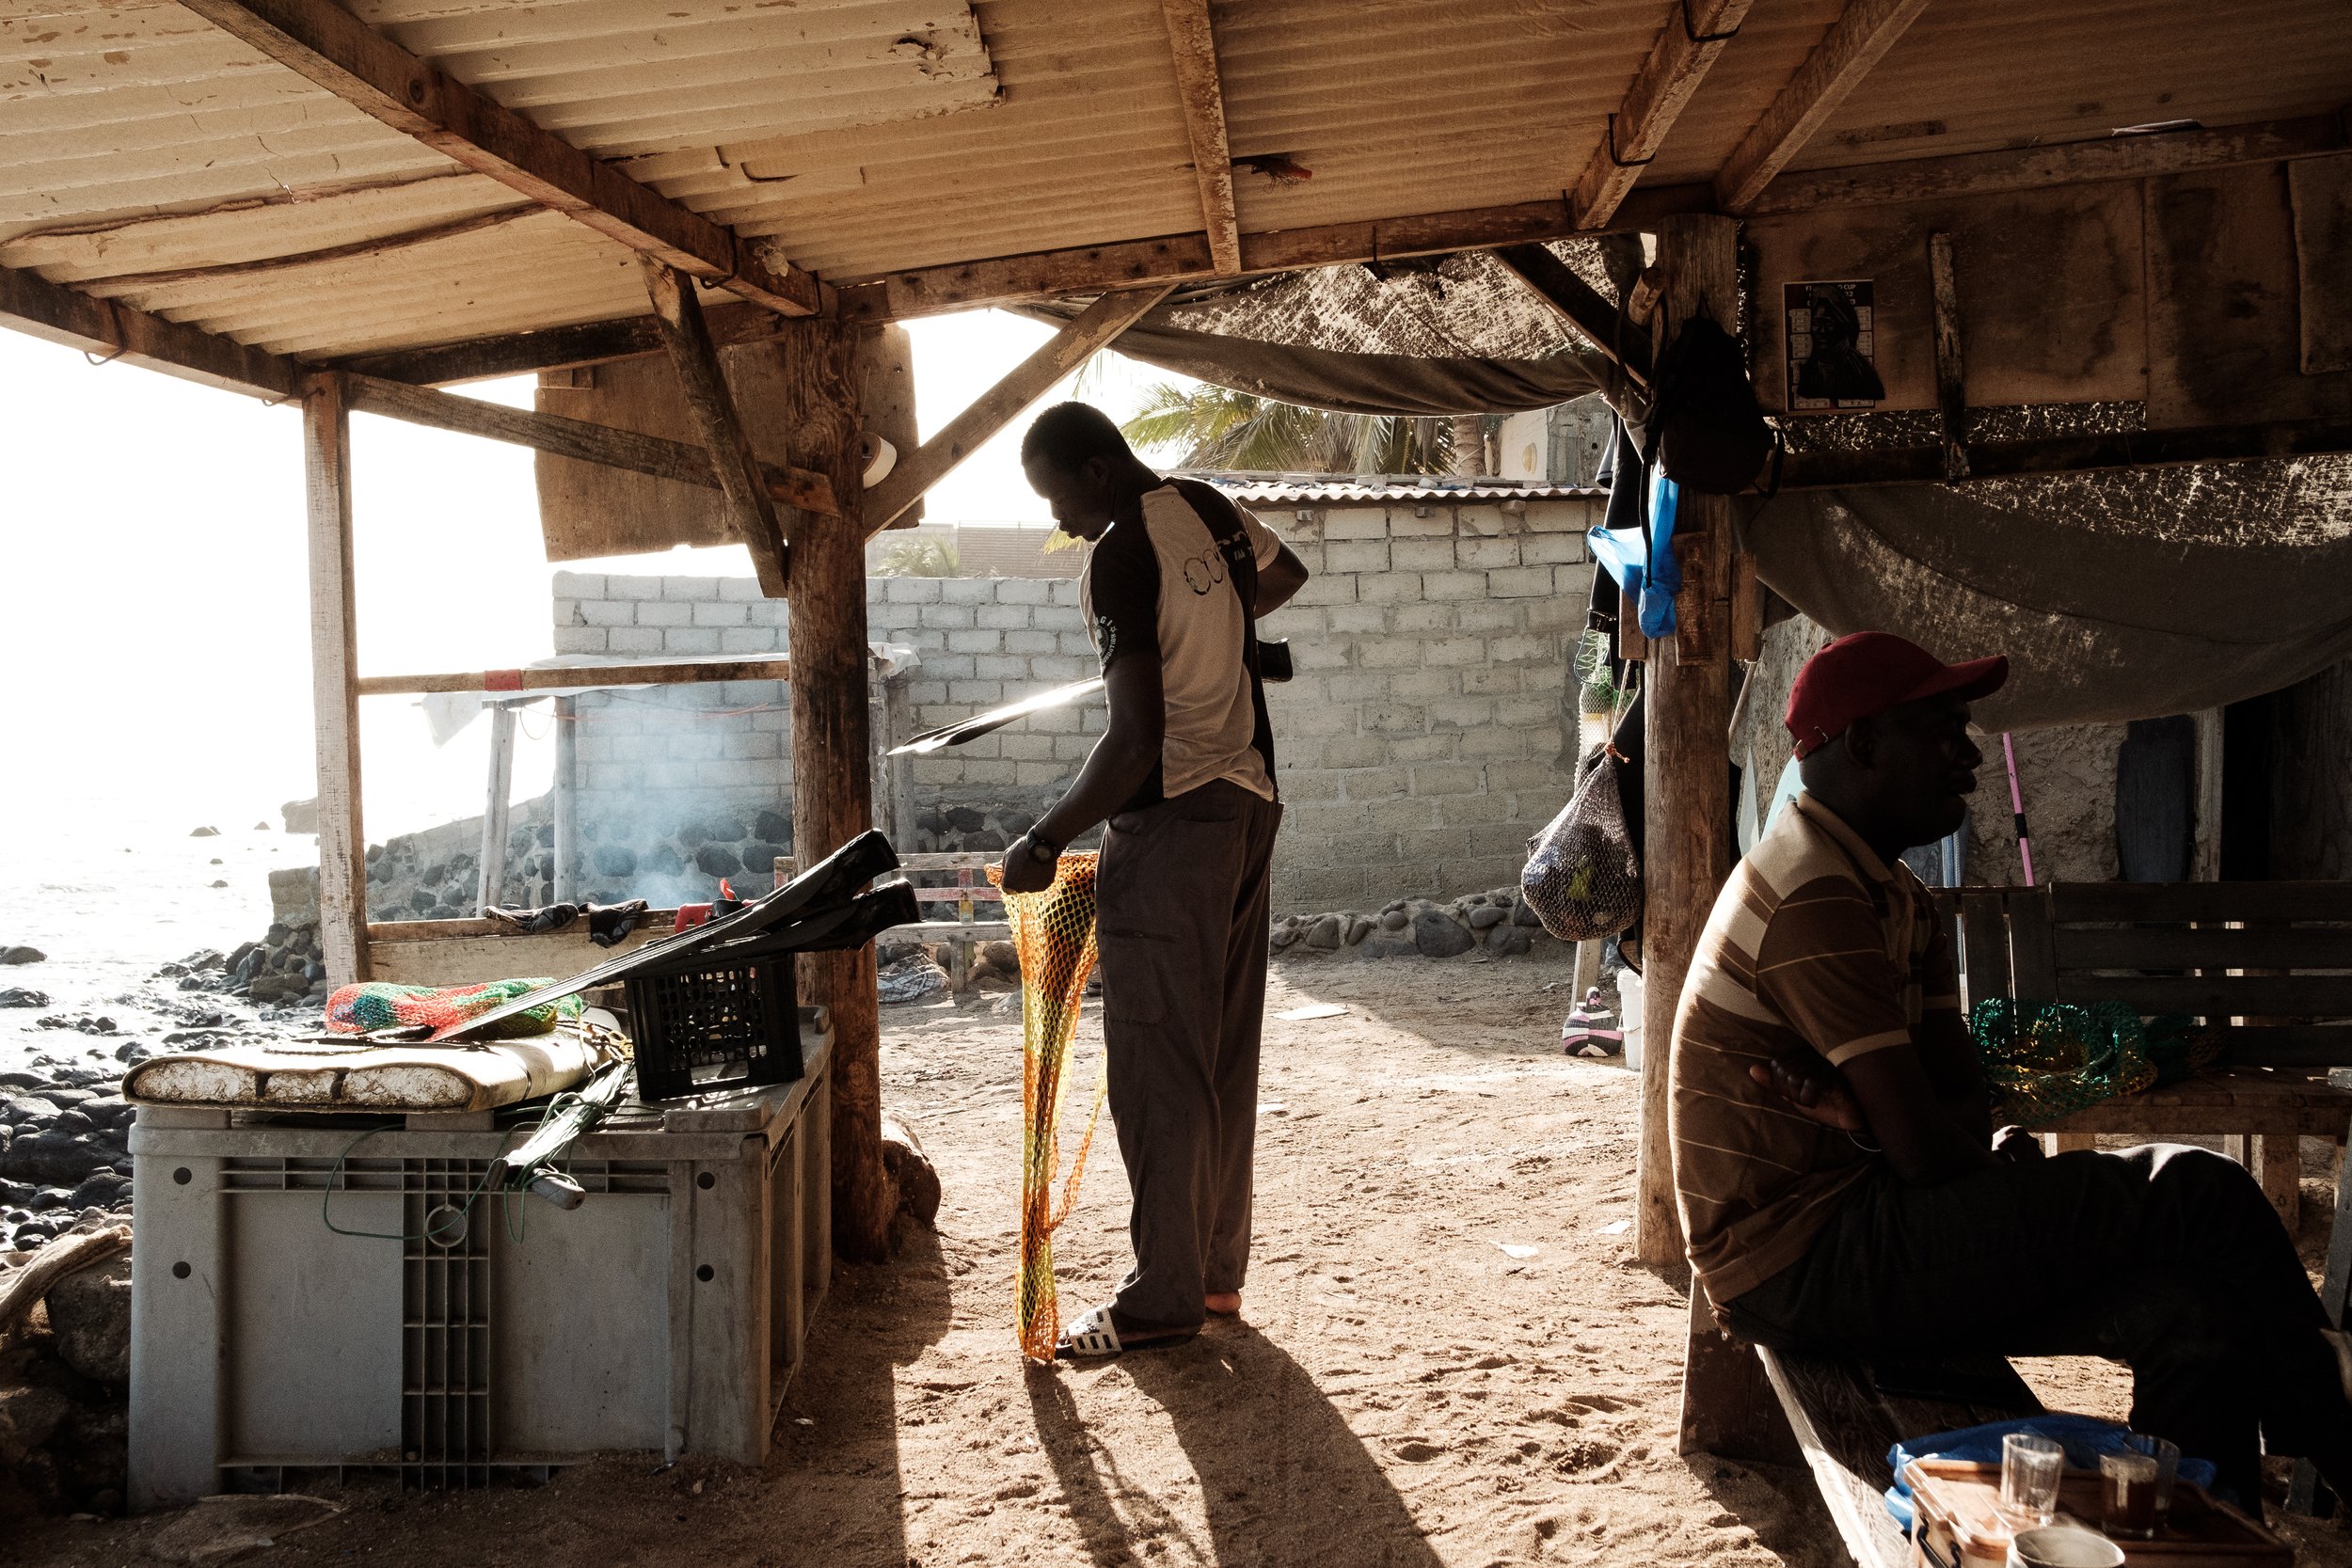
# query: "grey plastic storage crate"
667,1313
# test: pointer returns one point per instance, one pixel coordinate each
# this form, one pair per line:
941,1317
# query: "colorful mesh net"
2044,1060
1053,934
374,1004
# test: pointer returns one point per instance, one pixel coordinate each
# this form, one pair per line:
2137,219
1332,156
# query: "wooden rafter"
1695,34
919,470
2024,168
111,330
557,348
1194,45
1582,306
711,405
1184,257
1857,41
32,304
583,439
328,45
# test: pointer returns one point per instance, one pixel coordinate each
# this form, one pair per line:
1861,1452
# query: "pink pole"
2017,805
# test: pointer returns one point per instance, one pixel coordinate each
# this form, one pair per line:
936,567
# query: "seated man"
1840,1180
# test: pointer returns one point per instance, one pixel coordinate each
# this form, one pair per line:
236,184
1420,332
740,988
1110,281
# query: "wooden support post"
564,792
1727,1405
705,384
1951,395
334,682
1687,789
497,802
831,761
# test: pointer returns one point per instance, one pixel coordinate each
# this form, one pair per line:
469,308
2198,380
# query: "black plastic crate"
724,1026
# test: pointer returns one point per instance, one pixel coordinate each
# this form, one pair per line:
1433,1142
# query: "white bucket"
1630,1016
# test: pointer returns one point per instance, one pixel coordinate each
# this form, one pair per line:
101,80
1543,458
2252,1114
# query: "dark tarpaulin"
2117,595
1433,336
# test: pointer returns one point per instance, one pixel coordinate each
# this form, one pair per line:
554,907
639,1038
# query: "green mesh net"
2046,1060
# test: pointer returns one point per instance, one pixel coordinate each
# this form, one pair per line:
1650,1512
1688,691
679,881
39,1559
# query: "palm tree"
1215,427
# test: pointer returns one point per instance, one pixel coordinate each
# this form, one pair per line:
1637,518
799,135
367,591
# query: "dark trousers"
1180,897
2166,1258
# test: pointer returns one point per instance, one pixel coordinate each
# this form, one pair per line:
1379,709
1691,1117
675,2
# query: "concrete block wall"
1417,745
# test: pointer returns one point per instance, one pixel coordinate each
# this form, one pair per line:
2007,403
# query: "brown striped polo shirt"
1815,943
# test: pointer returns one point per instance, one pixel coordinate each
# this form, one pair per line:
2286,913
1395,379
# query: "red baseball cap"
1863,675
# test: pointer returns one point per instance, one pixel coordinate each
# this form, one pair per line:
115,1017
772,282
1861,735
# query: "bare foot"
1224,1304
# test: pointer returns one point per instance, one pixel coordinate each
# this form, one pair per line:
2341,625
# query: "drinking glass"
2129,1487
2167,1457
2030,1467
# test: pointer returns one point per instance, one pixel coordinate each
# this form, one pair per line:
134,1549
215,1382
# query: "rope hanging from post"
1053,934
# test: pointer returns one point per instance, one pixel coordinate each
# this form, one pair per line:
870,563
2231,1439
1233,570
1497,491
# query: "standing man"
1185,776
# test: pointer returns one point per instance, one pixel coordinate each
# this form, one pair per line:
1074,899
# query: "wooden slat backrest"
2169,948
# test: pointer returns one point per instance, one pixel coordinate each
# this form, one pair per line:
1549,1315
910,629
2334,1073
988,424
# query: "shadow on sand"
843,1472
1283,1480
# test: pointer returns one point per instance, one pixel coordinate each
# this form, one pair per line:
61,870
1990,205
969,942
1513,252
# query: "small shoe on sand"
1223,1304
1091,1334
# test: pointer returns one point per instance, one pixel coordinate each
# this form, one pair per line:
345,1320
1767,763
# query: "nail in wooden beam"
919,470
334,682
1695,34
1857,42
712,404
329,46
1194,45
583,439
1625,345
1951,395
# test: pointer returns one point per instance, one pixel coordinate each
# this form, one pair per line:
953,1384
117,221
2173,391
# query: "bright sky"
155,622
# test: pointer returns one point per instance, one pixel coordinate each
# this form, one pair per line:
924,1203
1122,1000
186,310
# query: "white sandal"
1092,1334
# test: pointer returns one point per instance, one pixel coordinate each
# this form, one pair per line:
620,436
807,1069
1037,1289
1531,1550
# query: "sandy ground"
1403,1392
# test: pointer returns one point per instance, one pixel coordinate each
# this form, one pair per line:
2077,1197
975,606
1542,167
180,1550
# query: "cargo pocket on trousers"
1133,963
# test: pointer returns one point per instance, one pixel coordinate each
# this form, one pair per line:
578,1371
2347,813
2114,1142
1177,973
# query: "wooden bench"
2268,965
2253,960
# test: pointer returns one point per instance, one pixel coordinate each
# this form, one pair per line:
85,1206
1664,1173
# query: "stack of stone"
1497,924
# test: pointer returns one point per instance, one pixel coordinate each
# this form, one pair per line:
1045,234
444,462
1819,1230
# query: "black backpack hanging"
1706,428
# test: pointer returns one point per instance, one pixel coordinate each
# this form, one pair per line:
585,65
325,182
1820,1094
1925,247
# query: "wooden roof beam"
1582,306
1857,42
1194,45
583,439
1695,34
919,470
109,328
1184,257
329,46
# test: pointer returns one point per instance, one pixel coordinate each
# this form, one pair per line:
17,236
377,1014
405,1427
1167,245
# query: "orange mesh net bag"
1053,935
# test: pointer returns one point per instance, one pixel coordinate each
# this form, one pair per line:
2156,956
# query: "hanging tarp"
1427,336
2116,595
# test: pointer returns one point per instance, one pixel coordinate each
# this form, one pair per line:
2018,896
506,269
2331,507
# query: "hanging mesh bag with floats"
1583,877
1052,935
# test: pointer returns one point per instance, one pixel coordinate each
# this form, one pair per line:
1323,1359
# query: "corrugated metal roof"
866,136
1378,489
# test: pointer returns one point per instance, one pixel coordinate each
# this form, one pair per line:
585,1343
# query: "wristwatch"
1043,849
